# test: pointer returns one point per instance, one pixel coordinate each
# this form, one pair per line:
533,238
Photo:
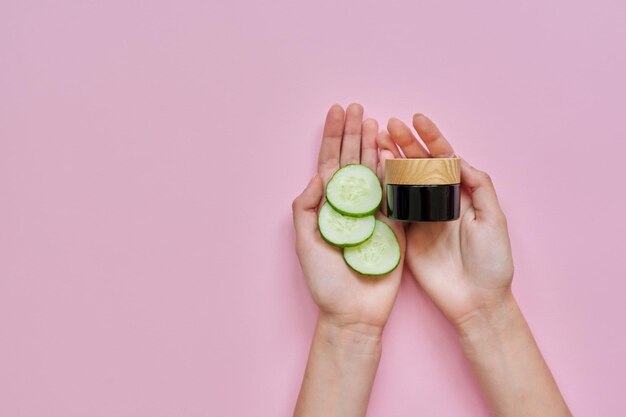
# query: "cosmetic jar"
423,189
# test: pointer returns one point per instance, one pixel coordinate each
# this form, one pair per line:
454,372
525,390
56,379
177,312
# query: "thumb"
384,155
305,205
483,193
388,150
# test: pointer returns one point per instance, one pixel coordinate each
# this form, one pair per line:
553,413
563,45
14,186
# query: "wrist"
492,319
499,346
487,334
354,337
342,365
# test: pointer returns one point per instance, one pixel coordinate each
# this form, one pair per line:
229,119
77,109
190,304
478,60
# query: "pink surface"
149,153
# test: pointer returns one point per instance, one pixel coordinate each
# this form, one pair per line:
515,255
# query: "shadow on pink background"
149,153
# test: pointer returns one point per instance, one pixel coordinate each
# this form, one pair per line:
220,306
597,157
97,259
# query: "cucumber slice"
378,255
354,190
343,231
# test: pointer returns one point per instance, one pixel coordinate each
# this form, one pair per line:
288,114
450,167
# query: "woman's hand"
345,298
346,346
465,266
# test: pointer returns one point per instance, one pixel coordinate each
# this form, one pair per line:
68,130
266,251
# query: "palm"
456,264
342,292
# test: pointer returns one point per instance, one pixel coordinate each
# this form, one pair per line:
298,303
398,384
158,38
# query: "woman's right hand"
465,266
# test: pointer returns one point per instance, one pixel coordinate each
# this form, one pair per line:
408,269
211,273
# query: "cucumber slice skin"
348,213
371,274
358,215
344,245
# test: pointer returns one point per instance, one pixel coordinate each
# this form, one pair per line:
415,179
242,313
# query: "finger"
384,155
328,159
304,207
384,141
404,138
483,193
369,151
351,143
428,131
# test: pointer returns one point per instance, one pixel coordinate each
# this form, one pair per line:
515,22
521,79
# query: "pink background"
149,153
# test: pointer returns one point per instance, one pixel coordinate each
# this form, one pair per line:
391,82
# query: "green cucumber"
354,190
378,255
343,231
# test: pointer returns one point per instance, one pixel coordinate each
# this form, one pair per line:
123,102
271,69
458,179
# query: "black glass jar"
423,189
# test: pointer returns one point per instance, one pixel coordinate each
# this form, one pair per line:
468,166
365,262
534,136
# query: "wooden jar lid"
423,171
